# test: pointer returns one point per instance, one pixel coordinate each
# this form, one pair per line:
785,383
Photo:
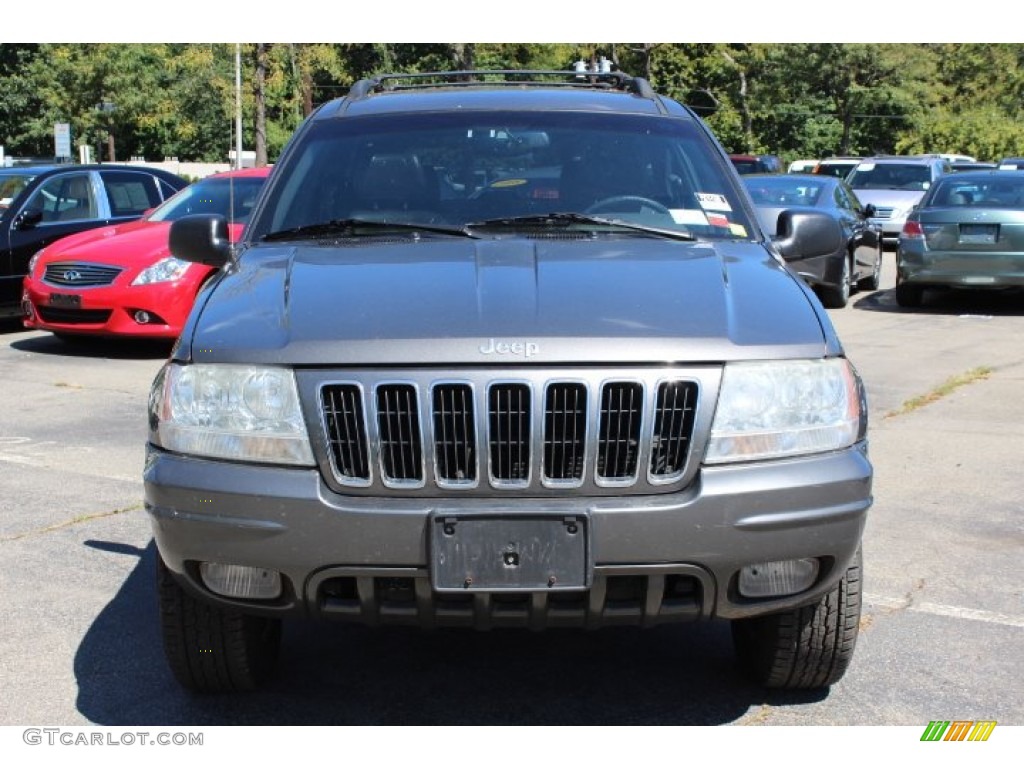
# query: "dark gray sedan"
967,232
857,263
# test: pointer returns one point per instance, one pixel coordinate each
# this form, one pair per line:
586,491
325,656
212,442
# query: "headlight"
163,271
240,412
773,409
32,262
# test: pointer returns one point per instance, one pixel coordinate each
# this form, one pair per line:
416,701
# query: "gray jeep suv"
507,350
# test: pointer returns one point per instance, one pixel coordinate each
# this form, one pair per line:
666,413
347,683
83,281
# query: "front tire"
212,649
837,297
809,647
872,281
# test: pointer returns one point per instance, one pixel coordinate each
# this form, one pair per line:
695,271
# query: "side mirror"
28,218
202,238
870,211
807,234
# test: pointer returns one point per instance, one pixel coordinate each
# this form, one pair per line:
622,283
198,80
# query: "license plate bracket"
979,234
67,300
505,552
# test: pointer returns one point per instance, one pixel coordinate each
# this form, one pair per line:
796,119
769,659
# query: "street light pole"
238,106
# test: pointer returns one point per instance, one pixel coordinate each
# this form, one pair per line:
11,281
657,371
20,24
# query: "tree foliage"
796,100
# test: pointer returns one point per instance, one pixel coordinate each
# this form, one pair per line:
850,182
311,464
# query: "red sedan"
122,280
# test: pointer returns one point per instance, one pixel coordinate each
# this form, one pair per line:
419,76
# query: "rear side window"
130,194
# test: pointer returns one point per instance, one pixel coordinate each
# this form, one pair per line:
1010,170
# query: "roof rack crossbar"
499,77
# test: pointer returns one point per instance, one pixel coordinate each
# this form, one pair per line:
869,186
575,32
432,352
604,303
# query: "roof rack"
468,78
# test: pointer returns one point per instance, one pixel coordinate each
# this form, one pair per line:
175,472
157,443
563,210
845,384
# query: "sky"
544,21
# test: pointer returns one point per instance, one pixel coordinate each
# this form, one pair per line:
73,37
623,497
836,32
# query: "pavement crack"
68,523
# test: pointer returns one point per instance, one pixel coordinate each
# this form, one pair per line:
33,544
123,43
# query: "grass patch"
946,388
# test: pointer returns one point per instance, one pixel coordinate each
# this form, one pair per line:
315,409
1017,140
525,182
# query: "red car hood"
133,244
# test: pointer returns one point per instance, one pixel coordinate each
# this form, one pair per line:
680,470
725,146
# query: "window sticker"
866,167
711,202
738,230
718,220
503,183
689,216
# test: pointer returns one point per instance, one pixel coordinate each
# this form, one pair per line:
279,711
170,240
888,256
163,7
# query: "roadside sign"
62,139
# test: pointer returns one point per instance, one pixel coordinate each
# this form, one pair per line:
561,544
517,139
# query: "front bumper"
110,310
655,558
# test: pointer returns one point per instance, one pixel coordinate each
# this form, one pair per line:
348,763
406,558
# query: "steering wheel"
610,203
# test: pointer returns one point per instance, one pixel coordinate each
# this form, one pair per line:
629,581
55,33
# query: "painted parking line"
937,609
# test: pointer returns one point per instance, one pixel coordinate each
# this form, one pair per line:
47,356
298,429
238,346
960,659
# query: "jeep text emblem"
495,347
72,275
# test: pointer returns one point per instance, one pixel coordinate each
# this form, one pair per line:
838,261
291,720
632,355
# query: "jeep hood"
506,302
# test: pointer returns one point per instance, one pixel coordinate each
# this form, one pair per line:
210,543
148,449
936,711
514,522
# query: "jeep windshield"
498,172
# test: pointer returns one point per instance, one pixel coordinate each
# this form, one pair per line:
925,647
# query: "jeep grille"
489,434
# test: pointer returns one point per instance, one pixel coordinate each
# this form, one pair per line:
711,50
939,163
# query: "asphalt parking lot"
941,632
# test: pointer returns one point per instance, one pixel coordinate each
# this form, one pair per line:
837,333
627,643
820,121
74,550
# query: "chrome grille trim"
399,441
455,446
345,422
88,275
492,432
620,419
509,409
566,420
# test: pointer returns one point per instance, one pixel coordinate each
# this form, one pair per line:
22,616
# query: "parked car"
856,261
42,203
894,185
957,166
756,163
1011,164
839,166
123,280
967,232
802,166
506,350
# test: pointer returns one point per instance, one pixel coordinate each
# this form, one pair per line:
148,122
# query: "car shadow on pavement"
1002,303
340,674
115,349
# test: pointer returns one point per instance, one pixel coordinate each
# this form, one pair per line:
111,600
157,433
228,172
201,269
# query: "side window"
842,201
68,197
130,194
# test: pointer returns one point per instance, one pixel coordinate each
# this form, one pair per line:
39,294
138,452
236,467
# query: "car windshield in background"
456,169
232,198
784,190
891,176
996,190
11,185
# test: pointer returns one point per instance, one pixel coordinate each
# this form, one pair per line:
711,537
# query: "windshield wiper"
557,219
352,227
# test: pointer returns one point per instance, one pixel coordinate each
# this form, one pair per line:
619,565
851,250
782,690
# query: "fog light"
784,577
241,581
142,317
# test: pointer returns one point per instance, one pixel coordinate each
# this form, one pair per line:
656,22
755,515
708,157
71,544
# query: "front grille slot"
673,425
80,275
401,449
454,434
619,440
73,316
509,406
565,431
346,431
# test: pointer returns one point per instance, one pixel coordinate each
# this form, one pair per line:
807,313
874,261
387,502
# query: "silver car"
894,185
968,232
